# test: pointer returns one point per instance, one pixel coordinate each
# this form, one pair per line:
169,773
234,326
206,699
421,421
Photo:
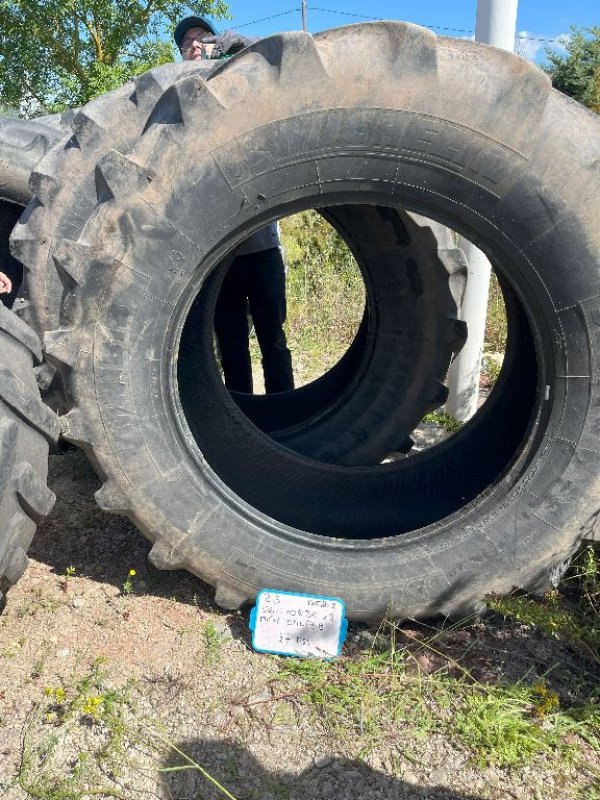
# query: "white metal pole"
496,24
303,15
463,375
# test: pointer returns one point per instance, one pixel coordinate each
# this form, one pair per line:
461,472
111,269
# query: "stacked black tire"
27,426
125,289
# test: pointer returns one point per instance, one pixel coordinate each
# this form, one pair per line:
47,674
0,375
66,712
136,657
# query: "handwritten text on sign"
298,624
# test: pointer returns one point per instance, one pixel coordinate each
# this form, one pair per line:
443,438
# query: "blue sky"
537,19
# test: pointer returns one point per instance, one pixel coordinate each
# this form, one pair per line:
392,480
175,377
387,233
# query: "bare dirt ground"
184,676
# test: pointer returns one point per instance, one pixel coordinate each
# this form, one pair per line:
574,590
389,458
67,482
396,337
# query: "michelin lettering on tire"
462,133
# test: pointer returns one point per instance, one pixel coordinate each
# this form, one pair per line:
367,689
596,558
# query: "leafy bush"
577,73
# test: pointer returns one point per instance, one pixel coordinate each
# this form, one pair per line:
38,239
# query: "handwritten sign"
298,624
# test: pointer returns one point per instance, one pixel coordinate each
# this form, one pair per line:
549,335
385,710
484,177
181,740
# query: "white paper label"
298,624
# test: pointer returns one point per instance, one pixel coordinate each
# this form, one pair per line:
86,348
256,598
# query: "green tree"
57,54
577,72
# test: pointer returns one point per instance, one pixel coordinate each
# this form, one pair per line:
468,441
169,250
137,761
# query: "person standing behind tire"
256,276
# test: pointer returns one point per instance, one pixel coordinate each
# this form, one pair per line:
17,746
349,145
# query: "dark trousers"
256,282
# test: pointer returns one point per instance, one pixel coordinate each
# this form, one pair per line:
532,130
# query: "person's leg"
266,294
231,327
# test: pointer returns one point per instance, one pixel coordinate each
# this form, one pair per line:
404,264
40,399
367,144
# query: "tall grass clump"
326,299
325,294
495,325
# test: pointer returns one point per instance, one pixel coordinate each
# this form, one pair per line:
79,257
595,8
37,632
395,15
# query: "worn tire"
466,134
65,187
62,182
22,144
369,403
27,427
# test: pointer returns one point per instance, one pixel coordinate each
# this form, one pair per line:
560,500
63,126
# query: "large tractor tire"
22,144
370,402
462,133
27,427
344,417
65,177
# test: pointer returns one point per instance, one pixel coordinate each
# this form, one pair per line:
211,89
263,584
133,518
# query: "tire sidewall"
526,517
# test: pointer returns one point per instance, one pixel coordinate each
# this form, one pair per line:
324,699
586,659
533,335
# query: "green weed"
90,713
100,724
69,573
385,694
445,421
502,728
495,326
189,763
365,699
213,641
128,583
571,613
492,366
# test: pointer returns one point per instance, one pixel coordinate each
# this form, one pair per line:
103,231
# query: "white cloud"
532,46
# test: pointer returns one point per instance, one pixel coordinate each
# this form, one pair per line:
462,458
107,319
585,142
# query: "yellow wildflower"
91,706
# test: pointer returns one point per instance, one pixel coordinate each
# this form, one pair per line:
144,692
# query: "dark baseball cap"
187,24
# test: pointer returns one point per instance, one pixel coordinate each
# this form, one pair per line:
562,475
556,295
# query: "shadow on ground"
101,546
242,775
104,547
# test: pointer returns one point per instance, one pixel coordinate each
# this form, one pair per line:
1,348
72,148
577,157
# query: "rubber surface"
465,134
22,144
26,428
66,185
63,184
344,417
9,214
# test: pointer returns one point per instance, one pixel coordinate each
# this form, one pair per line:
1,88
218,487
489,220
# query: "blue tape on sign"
301,625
